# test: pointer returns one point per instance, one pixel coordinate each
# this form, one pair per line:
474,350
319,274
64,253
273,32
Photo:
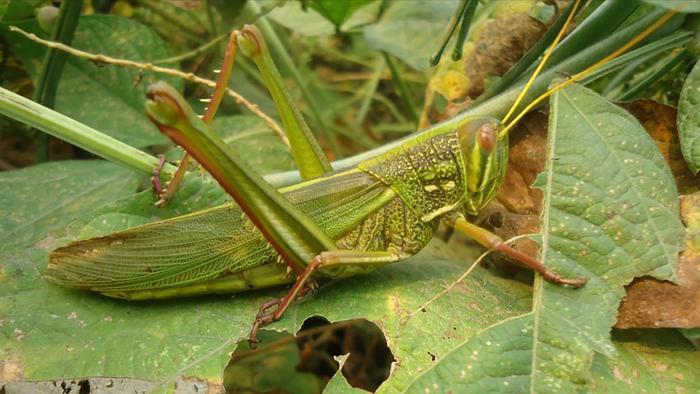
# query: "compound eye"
487,137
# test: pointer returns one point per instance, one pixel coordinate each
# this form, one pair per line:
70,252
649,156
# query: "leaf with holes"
610,214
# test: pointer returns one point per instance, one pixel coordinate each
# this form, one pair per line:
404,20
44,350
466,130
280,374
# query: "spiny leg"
306,151
323,260
214,102
493,242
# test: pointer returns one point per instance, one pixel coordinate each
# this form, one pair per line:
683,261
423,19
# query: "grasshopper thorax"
485,160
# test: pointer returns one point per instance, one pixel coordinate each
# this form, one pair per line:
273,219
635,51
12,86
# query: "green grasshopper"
331,225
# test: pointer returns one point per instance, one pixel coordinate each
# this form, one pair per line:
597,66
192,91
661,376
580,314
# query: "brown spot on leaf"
10,369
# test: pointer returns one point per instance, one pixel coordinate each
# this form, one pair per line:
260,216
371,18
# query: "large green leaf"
255,142
26,214
411,30
105,97
681,5
689,119
610,214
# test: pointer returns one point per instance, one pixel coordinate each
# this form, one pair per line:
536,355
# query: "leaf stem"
60,126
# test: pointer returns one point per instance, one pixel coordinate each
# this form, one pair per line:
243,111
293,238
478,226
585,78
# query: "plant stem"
403,89
369,89
60,126
190,54
52,67
660,71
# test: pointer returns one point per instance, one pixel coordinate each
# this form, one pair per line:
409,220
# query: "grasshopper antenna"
540,66
580,75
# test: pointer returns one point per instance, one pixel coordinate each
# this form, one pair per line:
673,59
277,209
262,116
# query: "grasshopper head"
485,157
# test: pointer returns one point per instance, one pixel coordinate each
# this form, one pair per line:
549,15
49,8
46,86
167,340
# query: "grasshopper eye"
487,137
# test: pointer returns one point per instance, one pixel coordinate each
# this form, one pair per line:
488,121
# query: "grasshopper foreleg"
494,242
302,285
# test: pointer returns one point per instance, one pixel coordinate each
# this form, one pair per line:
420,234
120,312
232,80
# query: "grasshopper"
329,226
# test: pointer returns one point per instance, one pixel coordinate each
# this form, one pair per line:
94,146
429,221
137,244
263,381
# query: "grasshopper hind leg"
273,310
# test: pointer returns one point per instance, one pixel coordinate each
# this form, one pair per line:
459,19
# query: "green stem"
667,66
623,76
54,60
369,90
190,54
597,26
644,53
60,126
454,21
467,17
403,89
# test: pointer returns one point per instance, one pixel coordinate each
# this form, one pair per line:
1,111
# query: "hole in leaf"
307,362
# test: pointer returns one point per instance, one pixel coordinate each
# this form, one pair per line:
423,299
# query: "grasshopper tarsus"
556,279
303,285
539,267
155,181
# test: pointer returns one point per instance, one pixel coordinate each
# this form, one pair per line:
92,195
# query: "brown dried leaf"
660,122
500,44
650,303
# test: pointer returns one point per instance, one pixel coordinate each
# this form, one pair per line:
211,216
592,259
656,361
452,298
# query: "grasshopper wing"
175,252
204,245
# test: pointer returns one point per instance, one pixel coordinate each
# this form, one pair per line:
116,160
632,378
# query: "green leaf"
338,383
689,119
16,10
659,361
410,30
105,97
4,5
49,332
305,22
610,214
27,215
338,11
680,5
